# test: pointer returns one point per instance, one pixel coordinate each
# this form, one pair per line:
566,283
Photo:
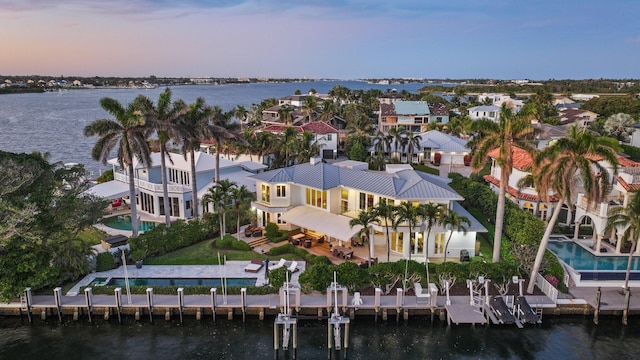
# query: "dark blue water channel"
556,338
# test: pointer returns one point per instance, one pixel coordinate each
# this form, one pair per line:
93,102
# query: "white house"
451,149
148,181
491,112
321,198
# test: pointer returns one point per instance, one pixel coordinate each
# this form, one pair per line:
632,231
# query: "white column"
598,243
406,244
577,229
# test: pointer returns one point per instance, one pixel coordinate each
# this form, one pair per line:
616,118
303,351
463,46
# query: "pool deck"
233,269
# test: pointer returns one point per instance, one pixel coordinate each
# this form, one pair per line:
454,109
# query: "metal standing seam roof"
435,139
475,224
407,184
412,108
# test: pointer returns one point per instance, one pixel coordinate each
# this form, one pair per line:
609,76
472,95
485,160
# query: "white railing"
142,184
547,288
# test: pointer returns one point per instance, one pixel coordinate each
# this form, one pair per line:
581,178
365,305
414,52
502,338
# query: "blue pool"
173,282
123,222
593,267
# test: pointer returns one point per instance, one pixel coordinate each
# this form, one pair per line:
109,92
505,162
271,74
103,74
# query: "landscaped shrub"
271,231
278,277
105,261
316,277
352,276
161,239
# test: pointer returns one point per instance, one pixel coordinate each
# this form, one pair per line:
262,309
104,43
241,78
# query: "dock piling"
150,303
596,312
118,295
28,300
88,298
181,302
625,312
57,296
213,302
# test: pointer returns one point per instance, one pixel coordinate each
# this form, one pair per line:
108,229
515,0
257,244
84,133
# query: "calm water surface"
558,338
53,122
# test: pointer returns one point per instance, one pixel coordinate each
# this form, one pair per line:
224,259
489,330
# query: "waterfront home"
413,116
452,150
324,135
581,214
491,112
321,198
148,182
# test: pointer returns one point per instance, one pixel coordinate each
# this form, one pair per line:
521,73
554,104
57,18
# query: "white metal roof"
110,190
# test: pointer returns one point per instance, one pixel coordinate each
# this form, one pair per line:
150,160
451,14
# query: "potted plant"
138,256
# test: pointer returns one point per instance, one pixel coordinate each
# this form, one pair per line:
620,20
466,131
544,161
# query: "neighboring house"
321,199
499,99
438,113
583,118
272,115
545,134
413,116
148,180
583,97
324,134
452,149
491,112
390,97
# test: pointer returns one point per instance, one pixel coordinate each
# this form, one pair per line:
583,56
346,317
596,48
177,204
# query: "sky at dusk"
345,39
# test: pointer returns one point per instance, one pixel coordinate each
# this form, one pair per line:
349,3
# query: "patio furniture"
278,265
307,243
295,239
114,241
257,232
293,267
116,203
248,231
342,251
254,266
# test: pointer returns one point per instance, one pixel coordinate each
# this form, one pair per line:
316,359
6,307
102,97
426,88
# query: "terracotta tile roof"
517,194
319,127
276,128
627,186
622,161
521,159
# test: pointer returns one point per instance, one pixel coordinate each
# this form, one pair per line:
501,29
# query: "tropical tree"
241,113
413,141
620,126
227,188
328,110
128,135
381,143
559,167
288,144
309,106
163,119
193,127
430,213
215,197
386,216
365,219
285,113
395,136
509,131
225,130
241,197
455,223
627,220
307,148
409,213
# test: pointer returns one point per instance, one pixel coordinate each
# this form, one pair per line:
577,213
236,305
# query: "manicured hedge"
161,239
229,242
105,261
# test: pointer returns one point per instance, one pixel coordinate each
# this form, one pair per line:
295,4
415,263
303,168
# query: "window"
492,114
362,205
281,191
317,198
265,193
439,245
369,201
344,201
329,137
279,220
187,204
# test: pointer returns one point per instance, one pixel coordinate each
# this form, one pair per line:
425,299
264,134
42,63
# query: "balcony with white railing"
153,187
631,175
600,209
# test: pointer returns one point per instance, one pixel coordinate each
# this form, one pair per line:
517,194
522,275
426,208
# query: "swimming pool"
173,282
593,267
123,222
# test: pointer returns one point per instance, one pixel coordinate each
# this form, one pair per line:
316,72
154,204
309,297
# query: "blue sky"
516,39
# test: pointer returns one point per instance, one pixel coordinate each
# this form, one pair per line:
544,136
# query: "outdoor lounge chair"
248,231
278,265
254,266
293,267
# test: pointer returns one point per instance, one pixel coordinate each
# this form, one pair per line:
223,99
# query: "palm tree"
455,223
226,188
288,144
163,118
558,168
365,219
309,106
386,215
395,136
240,113
382,143
225,130
328,110
127,133
193,127
413,141
285,113
241,195
431,214
627,218
215,197
409,213
509,131
307,148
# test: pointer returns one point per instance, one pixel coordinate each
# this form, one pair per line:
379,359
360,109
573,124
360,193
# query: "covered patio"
335,227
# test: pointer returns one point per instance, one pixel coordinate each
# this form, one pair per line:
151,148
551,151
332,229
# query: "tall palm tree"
285,113
240,113
408,212
127,133
365,219
382,143
309,106
225,130
226,189
241,197
163,118
288,144
413,141
559,167
307,148
215,196
193,127
395,136
386,216
430,214
328,110
455,223
627,218
263,144
510,131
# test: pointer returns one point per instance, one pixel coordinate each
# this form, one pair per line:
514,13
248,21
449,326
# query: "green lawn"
92,235
425,168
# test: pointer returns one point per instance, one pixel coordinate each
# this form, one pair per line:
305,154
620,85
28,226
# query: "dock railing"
547,288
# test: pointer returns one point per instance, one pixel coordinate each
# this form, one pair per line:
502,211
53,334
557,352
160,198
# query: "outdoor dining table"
342,251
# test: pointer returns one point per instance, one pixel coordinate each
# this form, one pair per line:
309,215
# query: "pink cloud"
635,40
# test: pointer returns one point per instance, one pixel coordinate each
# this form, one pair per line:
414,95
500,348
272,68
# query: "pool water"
593,267
173,282
123,222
